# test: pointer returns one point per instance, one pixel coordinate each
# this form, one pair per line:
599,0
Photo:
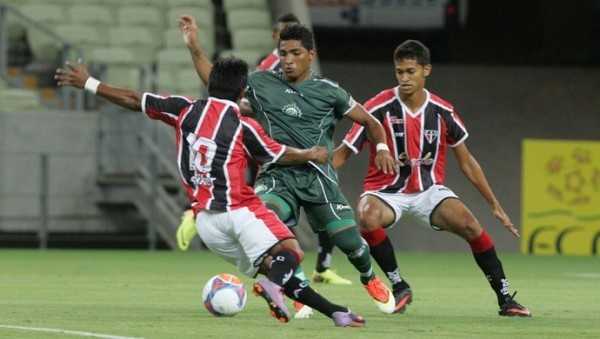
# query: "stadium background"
85,176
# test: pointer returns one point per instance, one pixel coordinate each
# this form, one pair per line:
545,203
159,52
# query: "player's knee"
369,218
350,242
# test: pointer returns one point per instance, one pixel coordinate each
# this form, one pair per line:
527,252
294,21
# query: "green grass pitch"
158,295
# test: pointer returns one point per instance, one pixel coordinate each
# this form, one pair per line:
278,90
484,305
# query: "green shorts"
326,207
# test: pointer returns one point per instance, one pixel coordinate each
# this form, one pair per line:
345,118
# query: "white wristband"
91,85
382,147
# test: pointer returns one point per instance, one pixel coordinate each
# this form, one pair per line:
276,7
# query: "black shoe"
511,308
403,297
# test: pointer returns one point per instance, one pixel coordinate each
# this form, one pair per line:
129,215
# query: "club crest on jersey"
292,110
430,135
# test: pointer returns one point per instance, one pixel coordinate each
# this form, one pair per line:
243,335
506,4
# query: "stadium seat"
252,38
19,100
44,13
83,37
204,16
122,68
248,18
139,40
150,17
173,39
237,4
90,15
188,84
190,3
251,56
169,63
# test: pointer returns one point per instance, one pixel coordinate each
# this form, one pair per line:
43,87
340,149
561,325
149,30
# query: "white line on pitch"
61,331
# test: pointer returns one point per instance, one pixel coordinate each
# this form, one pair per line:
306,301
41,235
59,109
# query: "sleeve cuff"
459,141
350,146
144,102
351,107
278,155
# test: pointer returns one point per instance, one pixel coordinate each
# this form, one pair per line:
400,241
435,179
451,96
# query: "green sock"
356,250
300,274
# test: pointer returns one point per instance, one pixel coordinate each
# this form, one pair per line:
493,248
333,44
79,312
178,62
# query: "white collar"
405,107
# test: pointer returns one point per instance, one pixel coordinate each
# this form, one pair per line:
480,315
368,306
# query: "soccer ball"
224,295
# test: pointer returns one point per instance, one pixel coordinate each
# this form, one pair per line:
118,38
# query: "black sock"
384,255
325,249
282,267
492,268
301,291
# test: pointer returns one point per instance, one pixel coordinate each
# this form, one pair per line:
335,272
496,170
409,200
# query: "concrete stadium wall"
69,140
500,106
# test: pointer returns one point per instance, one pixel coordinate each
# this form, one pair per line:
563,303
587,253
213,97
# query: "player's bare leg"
373,214
453,216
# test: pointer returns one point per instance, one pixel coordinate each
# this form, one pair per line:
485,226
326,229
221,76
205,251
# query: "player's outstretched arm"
296,156
340,155
77,75
376,134
472,170
189,29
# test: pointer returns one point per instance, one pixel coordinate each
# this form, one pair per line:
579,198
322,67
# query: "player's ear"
312,53
427,70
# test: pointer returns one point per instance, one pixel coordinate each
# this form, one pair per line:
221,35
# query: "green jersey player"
301,109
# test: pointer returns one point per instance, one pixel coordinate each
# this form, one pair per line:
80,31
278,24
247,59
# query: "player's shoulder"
442,103
249,122
382,98
325,82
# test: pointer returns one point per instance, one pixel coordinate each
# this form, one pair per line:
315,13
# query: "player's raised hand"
319,154
74,75
189,29
499,213
385,163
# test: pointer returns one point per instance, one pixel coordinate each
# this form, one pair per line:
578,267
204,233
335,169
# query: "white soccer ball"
224,295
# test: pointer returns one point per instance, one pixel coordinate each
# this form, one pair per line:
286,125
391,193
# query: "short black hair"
288,18
298,32
413,49
229,76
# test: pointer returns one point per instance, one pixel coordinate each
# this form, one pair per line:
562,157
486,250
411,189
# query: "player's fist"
189,29
385,163
319,154
74,75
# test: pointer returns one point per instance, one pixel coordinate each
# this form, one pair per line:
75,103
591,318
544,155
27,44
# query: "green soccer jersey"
302,115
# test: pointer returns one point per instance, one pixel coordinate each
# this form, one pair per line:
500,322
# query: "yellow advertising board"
560,197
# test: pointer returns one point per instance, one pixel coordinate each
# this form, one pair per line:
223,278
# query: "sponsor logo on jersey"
202,180
395,120
399,134
430,135
290,91
292,110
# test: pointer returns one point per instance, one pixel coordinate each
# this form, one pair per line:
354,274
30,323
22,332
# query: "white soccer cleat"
302,311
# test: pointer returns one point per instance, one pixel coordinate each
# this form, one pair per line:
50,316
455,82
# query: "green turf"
157,295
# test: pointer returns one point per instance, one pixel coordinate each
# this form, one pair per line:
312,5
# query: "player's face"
411,75
295,59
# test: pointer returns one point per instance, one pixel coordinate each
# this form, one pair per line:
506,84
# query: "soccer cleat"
511,308
302,311
381,294
186,230
329,277
403,298
348,319
271,292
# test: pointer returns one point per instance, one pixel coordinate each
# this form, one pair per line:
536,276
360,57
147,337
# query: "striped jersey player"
420,128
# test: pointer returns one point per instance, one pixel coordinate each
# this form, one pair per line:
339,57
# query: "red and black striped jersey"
213,140
270,62
419,139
